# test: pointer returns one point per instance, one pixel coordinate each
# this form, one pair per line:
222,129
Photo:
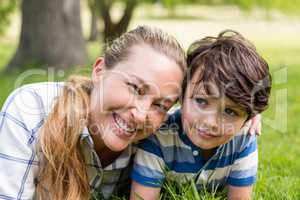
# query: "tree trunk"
51,35
112,29
94,25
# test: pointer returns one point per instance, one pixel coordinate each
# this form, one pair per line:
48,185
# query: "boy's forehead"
202,88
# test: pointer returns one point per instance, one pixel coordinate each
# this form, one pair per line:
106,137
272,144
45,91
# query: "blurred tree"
94,29
51,35
114,29
6,8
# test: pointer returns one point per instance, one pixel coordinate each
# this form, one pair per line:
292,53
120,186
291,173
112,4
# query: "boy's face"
210,120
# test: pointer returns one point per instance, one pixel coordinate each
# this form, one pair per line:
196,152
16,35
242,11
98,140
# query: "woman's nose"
141,110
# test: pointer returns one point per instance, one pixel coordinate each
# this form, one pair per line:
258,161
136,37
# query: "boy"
207,141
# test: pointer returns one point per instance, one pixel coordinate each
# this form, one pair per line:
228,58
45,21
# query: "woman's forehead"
165,89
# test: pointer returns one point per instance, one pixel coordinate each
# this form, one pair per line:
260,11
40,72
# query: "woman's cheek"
119,99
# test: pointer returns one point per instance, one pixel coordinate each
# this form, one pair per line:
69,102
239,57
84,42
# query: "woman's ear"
98,68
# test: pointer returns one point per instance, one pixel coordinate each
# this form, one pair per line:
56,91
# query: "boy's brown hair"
233,65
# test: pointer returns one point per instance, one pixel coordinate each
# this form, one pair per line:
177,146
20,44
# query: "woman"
61,141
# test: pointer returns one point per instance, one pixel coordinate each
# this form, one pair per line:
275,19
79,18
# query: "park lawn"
279,149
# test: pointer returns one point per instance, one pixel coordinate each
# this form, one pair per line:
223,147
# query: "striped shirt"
170,155
21,117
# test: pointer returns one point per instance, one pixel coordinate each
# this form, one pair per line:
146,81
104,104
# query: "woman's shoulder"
35,93
29,104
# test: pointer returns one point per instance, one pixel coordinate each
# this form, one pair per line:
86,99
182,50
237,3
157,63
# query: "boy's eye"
201,101
230,112
136,89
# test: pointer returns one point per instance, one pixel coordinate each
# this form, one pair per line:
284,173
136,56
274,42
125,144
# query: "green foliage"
173,191
6,8
288,7
243,4
174,3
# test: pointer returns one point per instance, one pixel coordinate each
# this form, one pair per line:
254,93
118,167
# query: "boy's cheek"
228,129
190,110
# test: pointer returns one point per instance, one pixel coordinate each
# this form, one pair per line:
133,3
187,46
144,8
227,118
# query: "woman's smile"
123,129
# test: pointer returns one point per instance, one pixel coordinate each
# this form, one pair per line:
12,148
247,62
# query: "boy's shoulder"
169,132
172,124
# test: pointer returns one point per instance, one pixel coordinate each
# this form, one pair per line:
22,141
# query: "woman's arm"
255,125
19,124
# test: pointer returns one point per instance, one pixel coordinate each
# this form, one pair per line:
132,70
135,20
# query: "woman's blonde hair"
62,173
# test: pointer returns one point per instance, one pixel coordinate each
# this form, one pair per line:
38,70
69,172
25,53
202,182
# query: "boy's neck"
207,154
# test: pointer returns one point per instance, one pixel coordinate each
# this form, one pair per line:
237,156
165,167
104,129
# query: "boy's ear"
98,68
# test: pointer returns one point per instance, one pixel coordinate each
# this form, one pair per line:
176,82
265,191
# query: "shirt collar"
86,137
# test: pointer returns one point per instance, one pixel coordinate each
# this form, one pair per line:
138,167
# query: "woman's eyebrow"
168,100
140,81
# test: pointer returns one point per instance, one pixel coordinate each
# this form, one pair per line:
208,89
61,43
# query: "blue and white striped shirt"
21,117
169,154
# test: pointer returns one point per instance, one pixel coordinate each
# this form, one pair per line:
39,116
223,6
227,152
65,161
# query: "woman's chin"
116,144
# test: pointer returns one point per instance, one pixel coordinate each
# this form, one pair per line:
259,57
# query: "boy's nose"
211,121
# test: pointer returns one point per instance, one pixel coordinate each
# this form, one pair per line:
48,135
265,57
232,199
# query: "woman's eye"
230,112
201,101
135,88
161,107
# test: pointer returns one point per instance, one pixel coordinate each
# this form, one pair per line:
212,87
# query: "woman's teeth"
122,124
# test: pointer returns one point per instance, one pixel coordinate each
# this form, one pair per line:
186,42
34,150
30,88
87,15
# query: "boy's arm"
148,170
139,192
239,193
243,172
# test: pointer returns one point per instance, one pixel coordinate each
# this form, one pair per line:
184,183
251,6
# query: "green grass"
279,149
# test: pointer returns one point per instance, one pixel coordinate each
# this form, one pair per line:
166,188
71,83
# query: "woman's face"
130,101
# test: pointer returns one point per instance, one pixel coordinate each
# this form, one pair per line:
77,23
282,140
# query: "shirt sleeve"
19,121
148,168
244,169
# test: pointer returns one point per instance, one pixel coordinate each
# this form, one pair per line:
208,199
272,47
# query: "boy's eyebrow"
236,107
205,95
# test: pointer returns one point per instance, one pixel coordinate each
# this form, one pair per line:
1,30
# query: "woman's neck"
105,155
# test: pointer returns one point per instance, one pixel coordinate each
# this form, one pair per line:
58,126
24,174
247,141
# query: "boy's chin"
207,145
